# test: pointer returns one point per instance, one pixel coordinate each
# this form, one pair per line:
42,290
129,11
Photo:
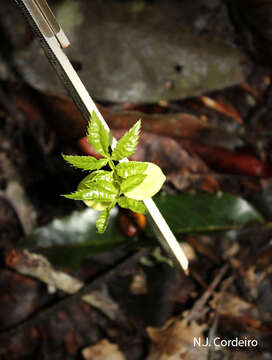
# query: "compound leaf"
134,205
94,191
85,162
131,168
103,184
102,175
98,136
102,221
126,146
131,182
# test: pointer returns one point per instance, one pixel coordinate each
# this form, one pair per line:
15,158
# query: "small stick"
200,303
214,326
45,314
38,267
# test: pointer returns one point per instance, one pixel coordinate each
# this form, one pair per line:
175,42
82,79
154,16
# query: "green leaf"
126,169
98,135
131,182
103,184
126,146
134,205
85,162
206,212
68,240
102,175
102,191
97,176
102,221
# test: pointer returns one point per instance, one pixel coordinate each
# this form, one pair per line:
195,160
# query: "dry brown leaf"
39,267
235,310
188,251
162,150
222,106
202,248
139,284
252,280
69,124
182,167
103,350
244,355
251,89
231,305
175,341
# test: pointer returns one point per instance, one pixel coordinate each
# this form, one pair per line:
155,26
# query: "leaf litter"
219,144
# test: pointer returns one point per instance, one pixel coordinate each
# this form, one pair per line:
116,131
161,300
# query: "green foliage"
102,175
98,135
134,205
187,213
102,185
131,182
85,162
126,146
94,191
131,168
102,221
66,241
108,187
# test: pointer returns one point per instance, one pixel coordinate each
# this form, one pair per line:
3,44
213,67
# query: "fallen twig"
213,328
195,312
38,266
46,313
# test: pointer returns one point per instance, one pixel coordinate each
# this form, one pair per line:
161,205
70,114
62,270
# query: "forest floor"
69,293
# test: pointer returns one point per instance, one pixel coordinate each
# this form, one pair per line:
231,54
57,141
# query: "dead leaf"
20,297
71,342
234,311
192,63
256,272
252,90
37,266
162,150
232,305
65,119
103,350
167,153
222,106
202,248
182,167
233,162
139,284
175,341
243,355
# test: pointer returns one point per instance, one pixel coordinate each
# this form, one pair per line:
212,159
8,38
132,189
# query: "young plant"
125,184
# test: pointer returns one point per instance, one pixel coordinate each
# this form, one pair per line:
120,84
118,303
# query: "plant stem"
111,164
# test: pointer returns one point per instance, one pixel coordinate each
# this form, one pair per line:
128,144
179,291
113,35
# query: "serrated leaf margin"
85,162
132,182
126,146
131,204
102,221
131,168
97,135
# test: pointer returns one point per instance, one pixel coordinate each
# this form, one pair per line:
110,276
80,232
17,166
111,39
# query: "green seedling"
125,184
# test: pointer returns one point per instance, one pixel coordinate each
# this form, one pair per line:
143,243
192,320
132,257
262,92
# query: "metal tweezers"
53,41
